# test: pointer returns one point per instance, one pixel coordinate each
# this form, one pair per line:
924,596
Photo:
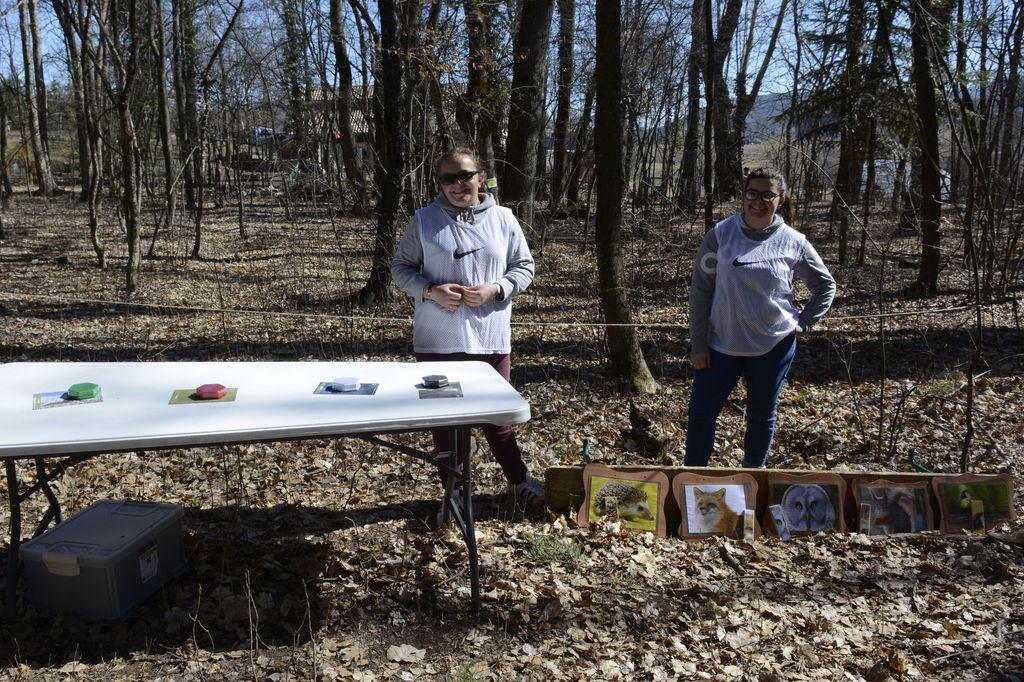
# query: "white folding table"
274,401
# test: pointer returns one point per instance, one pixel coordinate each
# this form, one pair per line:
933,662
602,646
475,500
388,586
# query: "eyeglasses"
454,178
754,195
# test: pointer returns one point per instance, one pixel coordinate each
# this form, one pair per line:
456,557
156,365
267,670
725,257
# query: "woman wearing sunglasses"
463,259
743,321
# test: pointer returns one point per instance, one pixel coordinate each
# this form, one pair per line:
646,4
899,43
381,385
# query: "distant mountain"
761,122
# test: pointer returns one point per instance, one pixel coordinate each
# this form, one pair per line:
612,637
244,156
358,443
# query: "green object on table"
83,391
585,455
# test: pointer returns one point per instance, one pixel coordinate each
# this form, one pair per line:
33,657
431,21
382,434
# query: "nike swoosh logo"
739,264
465,253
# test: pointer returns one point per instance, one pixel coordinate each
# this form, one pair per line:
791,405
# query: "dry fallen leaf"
405,653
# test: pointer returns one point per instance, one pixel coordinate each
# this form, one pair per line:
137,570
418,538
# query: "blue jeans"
763,375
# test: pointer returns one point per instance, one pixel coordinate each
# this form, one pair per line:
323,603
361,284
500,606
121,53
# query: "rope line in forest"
408,320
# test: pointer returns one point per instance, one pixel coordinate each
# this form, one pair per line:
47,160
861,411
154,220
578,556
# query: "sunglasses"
754,195
447,179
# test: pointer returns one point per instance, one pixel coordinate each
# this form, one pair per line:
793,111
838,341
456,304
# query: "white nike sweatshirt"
741,294
445,245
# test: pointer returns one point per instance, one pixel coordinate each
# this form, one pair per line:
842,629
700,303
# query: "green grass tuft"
549,550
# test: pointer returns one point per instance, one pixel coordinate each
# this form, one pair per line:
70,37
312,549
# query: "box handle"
58,563
135,509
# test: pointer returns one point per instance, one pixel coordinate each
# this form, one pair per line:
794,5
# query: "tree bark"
928,138
186,93
481,109
629,371
572,195
44,174
526,108
5,181
720,106
343,109
709,99
745,99
295,75
76,74
158,48
566,31
391,130
686,189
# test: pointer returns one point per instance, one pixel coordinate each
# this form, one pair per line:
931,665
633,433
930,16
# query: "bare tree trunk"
566,30
794,97
186,92
343,108
928,136
123,44
44,174
391,130
158,48
868,188
5,181
686,189
721,107
745,99
75,71
480,110
572,195
40,77
848,172
526,108
709,99
628,369
295,74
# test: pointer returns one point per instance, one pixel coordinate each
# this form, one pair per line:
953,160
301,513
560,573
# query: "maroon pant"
502,439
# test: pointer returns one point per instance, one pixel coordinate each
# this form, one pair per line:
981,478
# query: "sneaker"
529,494
456,501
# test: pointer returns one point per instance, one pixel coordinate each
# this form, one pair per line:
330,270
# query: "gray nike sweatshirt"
482,244
754,309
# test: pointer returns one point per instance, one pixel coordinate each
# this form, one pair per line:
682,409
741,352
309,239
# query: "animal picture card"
887,508
714,505
810,503
775,522
635,499
974,503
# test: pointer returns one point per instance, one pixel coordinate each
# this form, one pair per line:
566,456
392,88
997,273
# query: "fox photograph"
633,499
808,505
715,509
888,508
974,505
714,505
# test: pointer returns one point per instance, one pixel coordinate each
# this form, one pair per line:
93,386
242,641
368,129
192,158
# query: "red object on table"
211,391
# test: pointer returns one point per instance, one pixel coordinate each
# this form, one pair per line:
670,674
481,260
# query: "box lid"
101,533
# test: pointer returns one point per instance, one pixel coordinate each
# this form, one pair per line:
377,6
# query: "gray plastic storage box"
105,560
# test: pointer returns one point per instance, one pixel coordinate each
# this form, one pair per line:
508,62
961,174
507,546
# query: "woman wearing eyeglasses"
743,321
463,259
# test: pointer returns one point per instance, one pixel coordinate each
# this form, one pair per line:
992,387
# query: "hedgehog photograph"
622,501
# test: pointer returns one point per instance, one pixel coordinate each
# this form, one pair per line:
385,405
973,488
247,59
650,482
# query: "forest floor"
318,559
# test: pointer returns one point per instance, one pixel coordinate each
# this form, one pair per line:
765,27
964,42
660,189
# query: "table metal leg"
468,527
444,460
53,512
13,564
